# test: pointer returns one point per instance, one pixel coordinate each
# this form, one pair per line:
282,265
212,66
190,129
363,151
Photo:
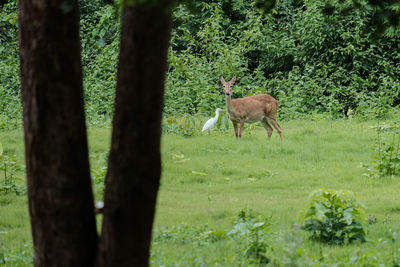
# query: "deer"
249,109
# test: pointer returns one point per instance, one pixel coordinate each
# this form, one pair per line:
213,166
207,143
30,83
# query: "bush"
334,217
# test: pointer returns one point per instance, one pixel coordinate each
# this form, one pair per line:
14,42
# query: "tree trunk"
134,162
59,187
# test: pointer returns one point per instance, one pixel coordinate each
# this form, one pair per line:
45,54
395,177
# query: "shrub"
334,217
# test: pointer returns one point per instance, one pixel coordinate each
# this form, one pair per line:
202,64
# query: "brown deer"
262,108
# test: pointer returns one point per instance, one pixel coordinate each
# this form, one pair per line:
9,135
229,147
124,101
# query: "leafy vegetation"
8,168
321,60
312,63
314,57
10,108
248,231
251,232
99,171
386,161
334,217
185,125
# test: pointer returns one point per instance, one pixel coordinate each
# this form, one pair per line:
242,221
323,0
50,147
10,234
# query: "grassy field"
208,178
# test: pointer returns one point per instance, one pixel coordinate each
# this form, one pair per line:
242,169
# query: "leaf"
1,149
217,234
239,228
178,156
199,173
321,210
257,226
226,122
336,166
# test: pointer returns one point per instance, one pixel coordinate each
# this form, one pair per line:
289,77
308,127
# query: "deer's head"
228,85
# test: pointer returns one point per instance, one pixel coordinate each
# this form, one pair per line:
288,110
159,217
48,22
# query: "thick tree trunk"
57,166
134,163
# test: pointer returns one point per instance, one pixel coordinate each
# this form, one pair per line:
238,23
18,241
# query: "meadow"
211,180
228,202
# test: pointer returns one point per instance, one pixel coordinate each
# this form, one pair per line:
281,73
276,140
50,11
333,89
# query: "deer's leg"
268,128
241,128
277,127
235,127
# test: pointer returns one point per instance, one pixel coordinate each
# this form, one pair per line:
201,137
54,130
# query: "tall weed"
386,161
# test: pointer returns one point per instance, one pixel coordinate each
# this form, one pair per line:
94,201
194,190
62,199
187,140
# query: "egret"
210,123
99,207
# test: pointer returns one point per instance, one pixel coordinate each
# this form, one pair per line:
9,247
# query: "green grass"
207,179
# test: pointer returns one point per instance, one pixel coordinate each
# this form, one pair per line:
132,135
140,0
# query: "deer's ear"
222,80
233,80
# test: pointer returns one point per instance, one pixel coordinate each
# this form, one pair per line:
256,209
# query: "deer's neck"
229,104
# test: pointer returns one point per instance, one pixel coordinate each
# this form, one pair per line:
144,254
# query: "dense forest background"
312,57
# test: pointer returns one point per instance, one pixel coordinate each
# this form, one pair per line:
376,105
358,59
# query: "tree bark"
134,162
58,177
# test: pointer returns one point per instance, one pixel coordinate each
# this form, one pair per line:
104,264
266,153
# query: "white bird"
210,123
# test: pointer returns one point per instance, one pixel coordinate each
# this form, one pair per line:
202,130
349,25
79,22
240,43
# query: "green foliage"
253,232
100,29
185,126
248,232
98,173
10,108
314,57
386,161
17,257
8,167
186,234
190,125
98,176
334,217
310,61
100,32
